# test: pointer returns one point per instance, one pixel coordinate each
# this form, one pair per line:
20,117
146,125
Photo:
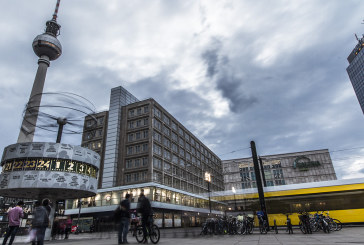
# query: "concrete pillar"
27,130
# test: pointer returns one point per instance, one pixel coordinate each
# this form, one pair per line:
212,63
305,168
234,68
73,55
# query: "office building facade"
356,71
280,169
142,146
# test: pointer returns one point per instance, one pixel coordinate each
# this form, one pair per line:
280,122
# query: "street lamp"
234,191
208,179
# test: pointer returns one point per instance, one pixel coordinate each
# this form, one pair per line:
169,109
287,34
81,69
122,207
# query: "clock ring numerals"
57,165
30,164
43,164
8,166
70,166
18,165
81,168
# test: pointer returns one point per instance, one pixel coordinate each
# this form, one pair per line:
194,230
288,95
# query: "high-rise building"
356,70
145,143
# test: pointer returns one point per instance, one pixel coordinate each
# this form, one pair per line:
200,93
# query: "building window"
130,150
181,141
157,136
130,137
174,147
131,113
128,178
174,126
145,161
139,111
129,164
100,120
137,149
138,123
157,163
182,163
137,163
167,155
131,125
166,131
166,119
146,109
157,177
145,134
166,142
157,112
137,135
174,136
157,124
181,152
146,121
145,147
157,149
175,159
167,167
180,131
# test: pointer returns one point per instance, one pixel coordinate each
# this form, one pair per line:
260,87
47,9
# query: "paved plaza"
351,235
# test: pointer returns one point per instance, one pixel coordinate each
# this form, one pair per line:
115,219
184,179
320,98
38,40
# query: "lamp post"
208,180
234,191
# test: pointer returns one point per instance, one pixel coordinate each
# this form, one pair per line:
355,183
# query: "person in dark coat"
40,222
145,209
124,219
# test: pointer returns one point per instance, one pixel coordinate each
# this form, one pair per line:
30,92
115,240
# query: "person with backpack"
145,209
14,215
124,219
40,222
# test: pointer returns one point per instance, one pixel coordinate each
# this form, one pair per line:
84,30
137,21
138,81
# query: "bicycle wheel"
338,223
154,234
302,227
139,234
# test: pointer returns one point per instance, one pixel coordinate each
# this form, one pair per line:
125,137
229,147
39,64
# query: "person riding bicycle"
145,209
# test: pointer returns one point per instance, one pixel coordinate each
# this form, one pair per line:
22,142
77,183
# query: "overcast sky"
230,71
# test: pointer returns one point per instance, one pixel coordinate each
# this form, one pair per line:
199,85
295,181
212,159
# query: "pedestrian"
124,219
14,216
40,222
68,227
145,209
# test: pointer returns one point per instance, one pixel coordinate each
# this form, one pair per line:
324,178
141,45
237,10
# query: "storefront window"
177,220
157,195
168,220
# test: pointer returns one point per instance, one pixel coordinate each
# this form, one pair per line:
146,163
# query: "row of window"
136,177
179,184
93,145
91,122
137,149
137,135
138,123
138,111
136,163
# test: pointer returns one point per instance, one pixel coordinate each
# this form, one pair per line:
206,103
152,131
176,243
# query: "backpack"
117,214
40,217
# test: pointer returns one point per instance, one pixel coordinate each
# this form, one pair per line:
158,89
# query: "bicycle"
263,225
152,230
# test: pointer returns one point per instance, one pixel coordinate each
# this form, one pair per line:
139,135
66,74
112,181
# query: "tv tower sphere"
47,44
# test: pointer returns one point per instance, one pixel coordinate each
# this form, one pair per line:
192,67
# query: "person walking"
145,209
68,227
125,219
40,222
14,216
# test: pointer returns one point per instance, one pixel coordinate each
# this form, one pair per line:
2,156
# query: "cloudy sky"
230,71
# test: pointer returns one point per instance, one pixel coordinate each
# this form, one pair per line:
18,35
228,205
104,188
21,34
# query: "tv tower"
47,47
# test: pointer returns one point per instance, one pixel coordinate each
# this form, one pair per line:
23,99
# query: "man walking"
14,215
125,219
40,222
145,209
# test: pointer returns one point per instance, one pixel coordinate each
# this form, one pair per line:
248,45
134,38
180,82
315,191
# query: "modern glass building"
356,71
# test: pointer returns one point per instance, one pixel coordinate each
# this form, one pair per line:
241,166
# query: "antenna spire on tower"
56,11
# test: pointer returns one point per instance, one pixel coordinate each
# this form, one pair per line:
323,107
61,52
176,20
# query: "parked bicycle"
304,223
